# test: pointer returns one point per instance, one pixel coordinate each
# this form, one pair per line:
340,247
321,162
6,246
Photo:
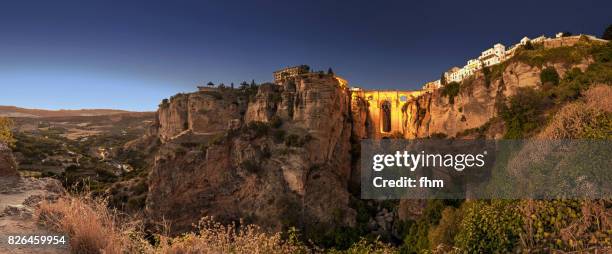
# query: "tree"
210,84
6,135
221,85
566,34
528,45
232,85
607,35
443,81
244,85
549,76
253,84
330,71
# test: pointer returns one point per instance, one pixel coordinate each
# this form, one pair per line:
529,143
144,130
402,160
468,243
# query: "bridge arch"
385,113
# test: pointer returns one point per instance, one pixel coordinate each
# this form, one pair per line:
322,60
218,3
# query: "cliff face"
433,113
286,154
8,167
276,157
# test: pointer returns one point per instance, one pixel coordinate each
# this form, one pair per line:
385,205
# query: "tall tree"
330,71
607,35
210,84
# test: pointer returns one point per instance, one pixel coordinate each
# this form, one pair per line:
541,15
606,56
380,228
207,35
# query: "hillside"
12,111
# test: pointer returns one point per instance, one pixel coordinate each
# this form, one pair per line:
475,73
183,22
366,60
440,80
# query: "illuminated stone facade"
289,72
385,116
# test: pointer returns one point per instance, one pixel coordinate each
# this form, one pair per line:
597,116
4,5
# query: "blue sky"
132,54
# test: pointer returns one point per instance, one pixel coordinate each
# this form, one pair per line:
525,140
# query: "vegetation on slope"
6,135
526,111
93,228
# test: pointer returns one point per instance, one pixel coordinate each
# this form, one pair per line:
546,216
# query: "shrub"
523,114
278,135
607,34
292,140
365,246
6,135
276,122
549,76
297,141
259,129
489,227
444,233
451,90
216,95
486,71
250,166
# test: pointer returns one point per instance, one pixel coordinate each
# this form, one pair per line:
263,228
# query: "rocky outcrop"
277,157
8,166
433,113
201,112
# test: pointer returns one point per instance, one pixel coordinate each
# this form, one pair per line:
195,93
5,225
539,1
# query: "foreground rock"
19,198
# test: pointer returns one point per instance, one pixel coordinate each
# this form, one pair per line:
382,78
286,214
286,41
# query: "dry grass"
214,237
91,226
577,118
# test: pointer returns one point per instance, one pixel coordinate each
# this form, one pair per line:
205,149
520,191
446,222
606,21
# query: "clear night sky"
114,54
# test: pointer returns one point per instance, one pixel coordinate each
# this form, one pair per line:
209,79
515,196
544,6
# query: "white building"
432,85
453,75
494,55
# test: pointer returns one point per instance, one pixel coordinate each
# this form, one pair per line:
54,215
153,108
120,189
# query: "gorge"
286,154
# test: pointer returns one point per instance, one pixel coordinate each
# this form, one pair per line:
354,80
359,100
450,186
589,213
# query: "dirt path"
18,199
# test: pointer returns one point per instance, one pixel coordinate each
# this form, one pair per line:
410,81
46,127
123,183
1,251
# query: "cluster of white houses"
492,56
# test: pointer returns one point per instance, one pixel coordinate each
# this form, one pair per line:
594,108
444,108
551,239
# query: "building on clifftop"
289,72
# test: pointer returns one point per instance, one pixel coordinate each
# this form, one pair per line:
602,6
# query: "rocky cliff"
286,154
276,155
477,100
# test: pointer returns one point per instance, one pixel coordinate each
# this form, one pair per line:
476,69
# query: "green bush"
549,76
446,230
451,90
524,112
489,227
416,239
258,129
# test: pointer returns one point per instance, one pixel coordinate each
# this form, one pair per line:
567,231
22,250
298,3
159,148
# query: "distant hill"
12,111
